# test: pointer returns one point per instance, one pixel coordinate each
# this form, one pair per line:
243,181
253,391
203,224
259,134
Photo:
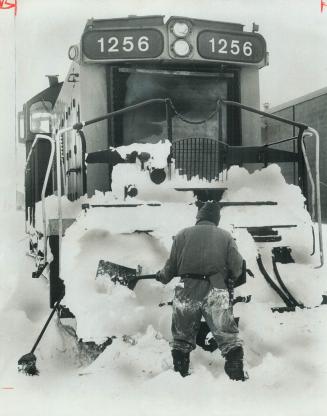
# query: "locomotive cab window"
194,97
40,117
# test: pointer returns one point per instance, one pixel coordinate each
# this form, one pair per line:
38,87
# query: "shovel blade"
27,365
117,273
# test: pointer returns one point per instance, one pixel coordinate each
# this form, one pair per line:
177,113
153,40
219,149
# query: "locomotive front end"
154,118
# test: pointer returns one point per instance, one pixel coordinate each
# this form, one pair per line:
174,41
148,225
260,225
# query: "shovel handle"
146,276
45,327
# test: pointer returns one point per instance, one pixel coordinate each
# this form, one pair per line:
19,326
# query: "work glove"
159,276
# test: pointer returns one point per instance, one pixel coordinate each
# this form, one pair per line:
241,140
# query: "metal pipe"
63,168
318,205
281,141
58,170
31,151
44,186
307,164
264,113
80,125
25,170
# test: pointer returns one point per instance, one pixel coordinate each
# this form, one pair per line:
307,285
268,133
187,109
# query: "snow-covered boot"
234,364
181,362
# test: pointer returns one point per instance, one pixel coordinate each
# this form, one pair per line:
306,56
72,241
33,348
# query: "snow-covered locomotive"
154,117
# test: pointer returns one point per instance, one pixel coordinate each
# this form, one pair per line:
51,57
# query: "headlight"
180,29
181,47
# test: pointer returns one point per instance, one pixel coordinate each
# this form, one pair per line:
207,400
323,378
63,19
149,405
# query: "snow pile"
269,185
143,236
108,234
285,353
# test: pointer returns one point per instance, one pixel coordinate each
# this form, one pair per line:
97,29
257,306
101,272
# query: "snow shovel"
123,275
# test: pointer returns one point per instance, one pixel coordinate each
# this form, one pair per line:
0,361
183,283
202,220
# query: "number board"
227,46
122,44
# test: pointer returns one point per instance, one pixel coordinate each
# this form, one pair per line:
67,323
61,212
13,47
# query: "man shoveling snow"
205,257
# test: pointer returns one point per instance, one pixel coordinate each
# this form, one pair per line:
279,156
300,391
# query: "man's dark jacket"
204,249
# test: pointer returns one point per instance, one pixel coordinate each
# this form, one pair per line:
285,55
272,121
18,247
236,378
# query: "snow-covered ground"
286,356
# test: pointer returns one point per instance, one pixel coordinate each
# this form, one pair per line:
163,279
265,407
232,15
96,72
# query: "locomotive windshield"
193,94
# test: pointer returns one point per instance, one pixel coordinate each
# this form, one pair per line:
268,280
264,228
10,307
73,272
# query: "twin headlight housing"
181,46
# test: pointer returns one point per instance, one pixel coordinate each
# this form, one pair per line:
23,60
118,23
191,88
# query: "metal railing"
303,128
318,205
45,183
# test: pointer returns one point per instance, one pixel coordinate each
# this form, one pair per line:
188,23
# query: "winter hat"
210,211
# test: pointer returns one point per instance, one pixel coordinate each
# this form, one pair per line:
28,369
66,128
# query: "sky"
35,43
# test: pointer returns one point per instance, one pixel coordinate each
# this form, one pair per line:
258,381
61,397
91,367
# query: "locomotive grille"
197,157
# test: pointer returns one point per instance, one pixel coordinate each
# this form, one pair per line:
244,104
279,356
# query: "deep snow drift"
285,353
143,236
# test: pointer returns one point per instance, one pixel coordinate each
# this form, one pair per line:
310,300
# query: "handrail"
44,186
58,172
307,164
290,139
166,101
26,165
264,113
81,124
318,205
302,127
